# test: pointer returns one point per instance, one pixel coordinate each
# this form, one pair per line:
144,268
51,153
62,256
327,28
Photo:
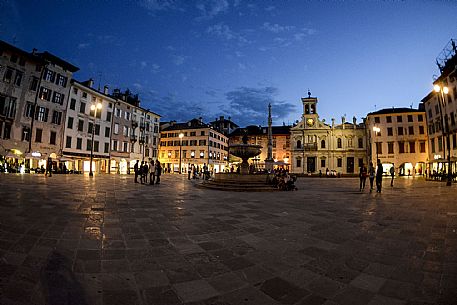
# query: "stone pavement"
75,240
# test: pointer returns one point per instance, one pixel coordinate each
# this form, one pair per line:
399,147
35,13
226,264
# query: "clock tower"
309,116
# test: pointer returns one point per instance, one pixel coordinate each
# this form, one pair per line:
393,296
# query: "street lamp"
442,90
181,135
94,108
376,131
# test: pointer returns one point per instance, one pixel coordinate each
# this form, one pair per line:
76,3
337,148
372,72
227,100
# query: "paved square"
107,241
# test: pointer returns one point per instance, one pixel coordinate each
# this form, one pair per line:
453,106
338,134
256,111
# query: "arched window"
339,143
323,144
298,144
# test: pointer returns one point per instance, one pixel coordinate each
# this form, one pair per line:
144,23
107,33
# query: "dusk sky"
209,58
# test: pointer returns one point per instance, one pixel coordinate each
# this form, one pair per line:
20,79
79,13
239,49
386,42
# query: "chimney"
106,90
201,120
90,83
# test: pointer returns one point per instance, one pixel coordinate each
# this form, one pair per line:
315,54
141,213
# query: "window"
18,78
68,142
298,162
410,118
379,147
73,104
45,94
75,90
70,123
107,132
430,113
193,133
390,147
108,116
202,133
58,98
52,138
437,109
323,146
377,120
61,80
412,147
89,144
97,129
339,162
432,145
360,143
126,131
56,117
84,95
106,150
114,146
322,162
200,142
116,128
126,147
82,107
118,112
401,147
8,75
298,144
42,114
49,75
440,144
127,115
388,119
25,134
34,84
79,143
339,143
390,131
202,154
96,146
400,131
7,106
410,130
421,129
422,146
38,134
89,128
420,118
80,125
399,119
28,110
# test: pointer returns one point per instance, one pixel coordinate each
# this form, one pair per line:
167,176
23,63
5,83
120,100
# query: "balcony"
307,147
142,140
134,124
133,138
142,126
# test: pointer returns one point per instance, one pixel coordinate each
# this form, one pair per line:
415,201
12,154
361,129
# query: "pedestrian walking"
392,174
136,170
151,171
379,173
362,176
158,171
371,173
189,171
49,167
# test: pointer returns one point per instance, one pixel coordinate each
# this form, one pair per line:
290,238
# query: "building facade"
192,143
317,147
87,129
34,90
258,135
398,137
441,114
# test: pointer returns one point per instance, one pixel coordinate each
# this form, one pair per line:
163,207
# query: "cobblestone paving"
75,240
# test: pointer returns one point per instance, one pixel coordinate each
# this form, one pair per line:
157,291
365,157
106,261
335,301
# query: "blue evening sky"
232,57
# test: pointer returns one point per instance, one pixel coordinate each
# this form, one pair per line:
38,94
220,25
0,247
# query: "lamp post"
376,131
181,135
442,90
94,108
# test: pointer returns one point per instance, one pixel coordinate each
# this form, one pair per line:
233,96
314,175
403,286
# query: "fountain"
245,180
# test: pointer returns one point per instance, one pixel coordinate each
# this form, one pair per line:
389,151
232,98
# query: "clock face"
310,122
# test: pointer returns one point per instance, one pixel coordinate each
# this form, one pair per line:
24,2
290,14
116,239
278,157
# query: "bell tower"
309,116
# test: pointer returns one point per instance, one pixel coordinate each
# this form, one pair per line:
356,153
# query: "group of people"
373,173
283,181
196,173
143,170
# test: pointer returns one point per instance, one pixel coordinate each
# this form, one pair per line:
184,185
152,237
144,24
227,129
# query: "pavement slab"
108,240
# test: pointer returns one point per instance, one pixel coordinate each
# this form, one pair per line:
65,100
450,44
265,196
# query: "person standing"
189,171
145,171
151,171
362,176
371,173
158,171
392,174
379,173
136,170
